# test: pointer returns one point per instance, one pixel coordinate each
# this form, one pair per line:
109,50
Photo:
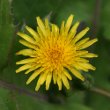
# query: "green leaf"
82,10
7,101
105,19
27,10
6,31
10,100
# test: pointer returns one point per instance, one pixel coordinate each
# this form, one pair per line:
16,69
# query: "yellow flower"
54,53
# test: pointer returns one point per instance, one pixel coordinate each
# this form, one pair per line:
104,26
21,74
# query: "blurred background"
94,94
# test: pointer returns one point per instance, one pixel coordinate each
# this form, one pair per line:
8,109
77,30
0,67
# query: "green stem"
40,96
100,91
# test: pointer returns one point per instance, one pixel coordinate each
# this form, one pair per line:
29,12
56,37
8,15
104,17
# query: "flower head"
53,53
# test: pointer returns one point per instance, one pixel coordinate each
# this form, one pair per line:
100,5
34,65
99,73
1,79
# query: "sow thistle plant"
55,54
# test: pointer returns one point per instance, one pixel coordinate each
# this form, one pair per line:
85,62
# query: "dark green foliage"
14,14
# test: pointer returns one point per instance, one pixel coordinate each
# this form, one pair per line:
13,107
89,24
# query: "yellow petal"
89,55
81,60
33,68
59,82
27,52
34,75
26,37
89,43
81,42
27,60
76,73
79,53
80,67
37,86
24,67
73,30
87,66
48,80
67,75
68,23
55,31
62,28
41,80
41,26
80,35
54,77
65,82
27,44
33,33
40,33
47,24
43,77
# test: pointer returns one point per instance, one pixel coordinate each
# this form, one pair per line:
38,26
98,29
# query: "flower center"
55,56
